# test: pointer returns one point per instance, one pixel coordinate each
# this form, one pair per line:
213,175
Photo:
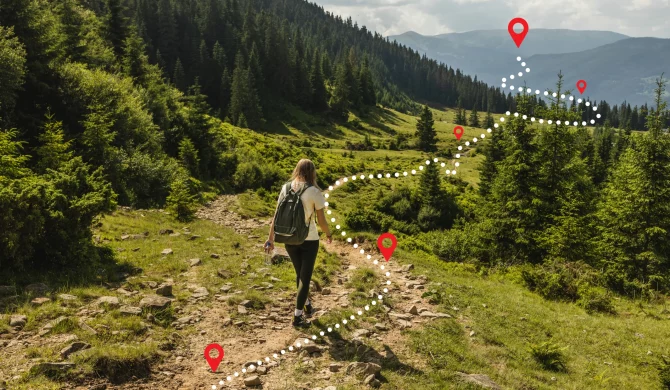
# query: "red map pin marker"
387,252
458,132
214,361
581,86
517,37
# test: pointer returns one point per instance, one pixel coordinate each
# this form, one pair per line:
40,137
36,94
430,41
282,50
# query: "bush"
664,373
429,218
45,219
548,355
252,175
182,202
596,300
361,219
551,284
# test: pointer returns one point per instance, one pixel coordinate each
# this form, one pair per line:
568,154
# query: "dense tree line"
566,196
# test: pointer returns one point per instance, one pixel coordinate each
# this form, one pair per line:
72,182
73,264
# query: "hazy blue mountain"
624,70
615,66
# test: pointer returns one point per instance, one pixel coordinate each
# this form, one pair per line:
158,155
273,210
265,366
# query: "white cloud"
430,17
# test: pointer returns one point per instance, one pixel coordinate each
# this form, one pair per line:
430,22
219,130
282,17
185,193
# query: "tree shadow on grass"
101,268
344,350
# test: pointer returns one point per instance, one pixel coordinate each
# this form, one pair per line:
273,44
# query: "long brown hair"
305,171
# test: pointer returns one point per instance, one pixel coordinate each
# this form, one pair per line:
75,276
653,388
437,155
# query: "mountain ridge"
605,60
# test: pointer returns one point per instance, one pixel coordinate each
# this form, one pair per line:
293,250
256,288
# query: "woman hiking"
293,225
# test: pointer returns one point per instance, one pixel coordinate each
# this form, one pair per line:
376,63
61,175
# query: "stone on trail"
74,347
363,369
130,310
359,333
262,370
155,302
407,267
18,320
195,262
167,251
40,301
165,289
200,292
325,291
480,380
253,380
380,326
108,301
215,256
330,388
241,309
335,367
413,310
371,381
67,297
247,303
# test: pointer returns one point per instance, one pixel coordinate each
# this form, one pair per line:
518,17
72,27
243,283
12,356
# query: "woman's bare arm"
324,224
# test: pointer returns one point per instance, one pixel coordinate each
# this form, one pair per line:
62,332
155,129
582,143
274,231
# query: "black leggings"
303,257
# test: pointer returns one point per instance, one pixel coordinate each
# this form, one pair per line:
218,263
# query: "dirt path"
269,331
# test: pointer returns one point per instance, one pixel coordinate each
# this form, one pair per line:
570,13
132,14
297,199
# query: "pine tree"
319,96
117,25
494,153
179,76
489,122
635,213
224,92
366,85
459,118
511,228
188,156
53,150
437,210
474,118
339,100
425,131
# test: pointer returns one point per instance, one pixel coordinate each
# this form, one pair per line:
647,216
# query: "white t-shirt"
312,199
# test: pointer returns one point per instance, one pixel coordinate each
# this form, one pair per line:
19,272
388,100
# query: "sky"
637,18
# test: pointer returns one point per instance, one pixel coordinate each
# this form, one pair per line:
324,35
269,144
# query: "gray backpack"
289,223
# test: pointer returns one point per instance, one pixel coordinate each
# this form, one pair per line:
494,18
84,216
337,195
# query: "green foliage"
188,155
45,219
425,131
634,214
182,201
552,283
549,355
664,372
54,151
12,68
596,300
474,118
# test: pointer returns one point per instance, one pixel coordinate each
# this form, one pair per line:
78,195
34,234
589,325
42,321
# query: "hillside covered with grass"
143,145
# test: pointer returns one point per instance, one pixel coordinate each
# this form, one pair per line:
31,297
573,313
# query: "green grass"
517,329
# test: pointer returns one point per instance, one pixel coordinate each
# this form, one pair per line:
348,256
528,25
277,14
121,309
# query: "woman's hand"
269,246
329,239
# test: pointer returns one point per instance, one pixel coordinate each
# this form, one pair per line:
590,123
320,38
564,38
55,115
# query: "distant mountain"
624,70
615,66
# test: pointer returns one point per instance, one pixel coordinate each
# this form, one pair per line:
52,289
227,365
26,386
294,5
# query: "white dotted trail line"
546,93
299,344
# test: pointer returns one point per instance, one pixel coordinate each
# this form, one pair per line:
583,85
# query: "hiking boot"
309,310
301,322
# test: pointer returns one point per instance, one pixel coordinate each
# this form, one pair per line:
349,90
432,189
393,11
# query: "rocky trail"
269,330
349,357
